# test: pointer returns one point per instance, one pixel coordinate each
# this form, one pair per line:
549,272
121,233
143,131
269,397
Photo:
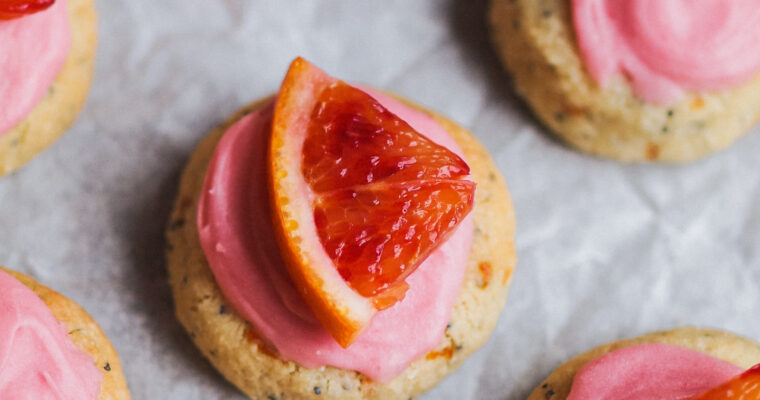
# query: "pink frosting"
32,51
238,239
38,360
668,46
650,371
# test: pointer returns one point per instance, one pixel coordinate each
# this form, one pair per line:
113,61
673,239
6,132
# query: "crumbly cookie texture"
719,344
59,108
227,340
86,335
536,40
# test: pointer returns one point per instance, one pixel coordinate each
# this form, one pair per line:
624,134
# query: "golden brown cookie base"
59,108
719,344
226,339
86,335
536,41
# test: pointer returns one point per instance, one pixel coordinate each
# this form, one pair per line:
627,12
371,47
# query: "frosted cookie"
684,363
635,80
234,291
50,348
46,61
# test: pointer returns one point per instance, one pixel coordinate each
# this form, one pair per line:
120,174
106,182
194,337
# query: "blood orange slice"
743,387
359,198
11,9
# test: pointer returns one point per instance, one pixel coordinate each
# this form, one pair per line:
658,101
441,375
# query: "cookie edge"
86,334
720,344
61,106
367,389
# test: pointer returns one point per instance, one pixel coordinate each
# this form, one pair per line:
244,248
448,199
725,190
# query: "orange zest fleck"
505,277
575,111
447,353
486,272
697,103
252,338
653,152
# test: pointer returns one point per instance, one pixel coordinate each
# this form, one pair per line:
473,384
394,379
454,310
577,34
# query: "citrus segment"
384,194
377,234
743,387
352,140
359,198
11,9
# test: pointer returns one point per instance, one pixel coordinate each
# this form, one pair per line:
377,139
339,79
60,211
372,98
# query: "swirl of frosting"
650,371
33,50
38,360
668,46
237,237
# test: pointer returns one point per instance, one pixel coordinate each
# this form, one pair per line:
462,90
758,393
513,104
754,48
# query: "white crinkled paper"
606,250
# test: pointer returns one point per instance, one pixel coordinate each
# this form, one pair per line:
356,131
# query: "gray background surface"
606,250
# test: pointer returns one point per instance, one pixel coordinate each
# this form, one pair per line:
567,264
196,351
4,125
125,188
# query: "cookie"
726,346
537,43
59,108
229,343
86,335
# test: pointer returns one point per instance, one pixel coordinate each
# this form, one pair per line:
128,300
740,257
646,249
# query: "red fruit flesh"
743,387
384,196
11,9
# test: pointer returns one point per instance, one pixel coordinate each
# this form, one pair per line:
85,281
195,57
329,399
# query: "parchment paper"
606,250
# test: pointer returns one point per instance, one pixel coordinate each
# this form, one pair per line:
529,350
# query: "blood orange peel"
359,198
12,9
742,387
